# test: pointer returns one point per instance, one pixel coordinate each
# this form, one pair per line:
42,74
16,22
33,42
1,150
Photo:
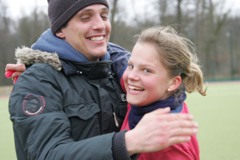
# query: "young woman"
162,68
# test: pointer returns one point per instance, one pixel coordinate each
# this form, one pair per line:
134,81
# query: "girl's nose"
133,75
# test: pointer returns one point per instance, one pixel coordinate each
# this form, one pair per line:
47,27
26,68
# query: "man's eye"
85,18
104,16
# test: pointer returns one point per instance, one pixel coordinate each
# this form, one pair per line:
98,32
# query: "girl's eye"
146,70
130,66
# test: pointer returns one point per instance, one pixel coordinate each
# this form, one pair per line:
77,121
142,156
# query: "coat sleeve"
120,57
41,128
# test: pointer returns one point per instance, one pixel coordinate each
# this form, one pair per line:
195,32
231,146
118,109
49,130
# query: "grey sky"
17,8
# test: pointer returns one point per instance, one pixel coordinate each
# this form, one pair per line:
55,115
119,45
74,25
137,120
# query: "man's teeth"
97,38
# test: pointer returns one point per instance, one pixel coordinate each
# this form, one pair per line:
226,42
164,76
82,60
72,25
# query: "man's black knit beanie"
61,11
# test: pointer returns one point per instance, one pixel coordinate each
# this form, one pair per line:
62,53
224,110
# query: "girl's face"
145,79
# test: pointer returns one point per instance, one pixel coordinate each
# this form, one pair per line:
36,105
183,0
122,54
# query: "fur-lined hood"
29,56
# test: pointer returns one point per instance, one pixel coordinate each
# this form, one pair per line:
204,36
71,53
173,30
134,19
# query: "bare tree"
114,12
179,12
29,27
209,23
162,8
6,41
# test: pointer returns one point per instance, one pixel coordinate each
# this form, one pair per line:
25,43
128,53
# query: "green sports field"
217,115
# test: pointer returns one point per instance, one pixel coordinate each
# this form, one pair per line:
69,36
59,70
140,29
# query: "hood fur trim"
29,56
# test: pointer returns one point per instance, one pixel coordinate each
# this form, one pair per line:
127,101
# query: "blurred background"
213,25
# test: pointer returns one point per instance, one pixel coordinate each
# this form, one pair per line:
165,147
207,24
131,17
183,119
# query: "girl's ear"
174,83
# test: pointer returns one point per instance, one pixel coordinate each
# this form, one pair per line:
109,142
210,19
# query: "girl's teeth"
134,88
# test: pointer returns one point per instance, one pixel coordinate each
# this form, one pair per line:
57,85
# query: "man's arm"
158,130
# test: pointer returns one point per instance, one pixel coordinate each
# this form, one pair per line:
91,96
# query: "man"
68,104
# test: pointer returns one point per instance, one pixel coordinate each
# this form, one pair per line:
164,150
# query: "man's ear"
60,34
174,83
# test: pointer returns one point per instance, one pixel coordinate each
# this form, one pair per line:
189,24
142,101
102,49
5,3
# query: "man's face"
89,31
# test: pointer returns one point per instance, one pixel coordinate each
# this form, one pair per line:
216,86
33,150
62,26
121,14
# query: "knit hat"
61,11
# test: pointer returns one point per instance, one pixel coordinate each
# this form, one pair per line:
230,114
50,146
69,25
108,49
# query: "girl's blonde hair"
178,56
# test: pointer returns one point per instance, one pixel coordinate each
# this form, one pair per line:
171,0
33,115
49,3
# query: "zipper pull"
115,119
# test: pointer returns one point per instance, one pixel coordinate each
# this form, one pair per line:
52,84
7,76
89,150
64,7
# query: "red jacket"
182,151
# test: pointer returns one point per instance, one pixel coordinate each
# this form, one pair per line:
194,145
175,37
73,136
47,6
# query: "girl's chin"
136,101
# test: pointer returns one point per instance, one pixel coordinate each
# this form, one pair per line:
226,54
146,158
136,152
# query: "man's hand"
160,129
14,70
